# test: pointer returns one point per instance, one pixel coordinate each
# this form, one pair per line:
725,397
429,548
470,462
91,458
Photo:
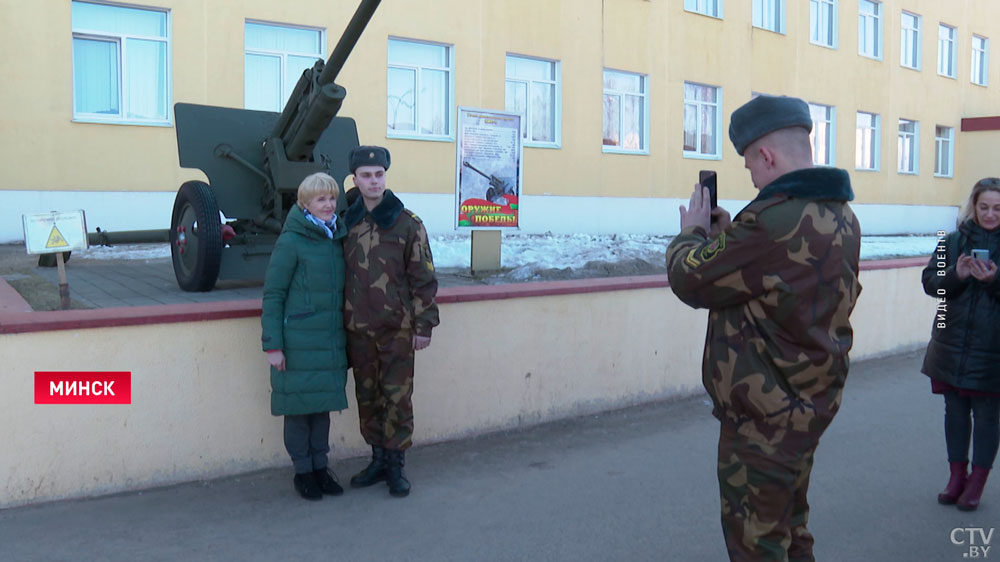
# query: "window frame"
556,83
814,13
916,36
983,60
950,156
903,139
876,148
694,154
878,18
286,89
693,6
449,110
645,87
778,11
831,128
950,43
120,40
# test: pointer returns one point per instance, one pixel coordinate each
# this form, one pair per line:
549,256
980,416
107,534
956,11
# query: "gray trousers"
307,440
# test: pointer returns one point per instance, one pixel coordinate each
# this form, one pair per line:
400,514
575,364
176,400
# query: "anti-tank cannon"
254,161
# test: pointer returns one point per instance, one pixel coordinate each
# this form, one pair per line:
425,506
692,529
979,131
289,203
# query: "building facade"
623,101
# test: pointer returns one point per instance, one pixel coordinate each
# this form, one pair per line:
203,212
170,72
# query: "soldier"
780,282
389,312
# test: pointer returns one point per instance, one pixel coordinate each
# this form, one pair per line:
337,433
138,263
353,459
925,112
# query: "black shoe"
373,473
306,486
327,482
399,486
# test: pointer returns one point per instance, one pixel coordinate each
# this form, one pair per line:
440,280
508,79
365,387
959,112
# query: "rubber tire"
198,197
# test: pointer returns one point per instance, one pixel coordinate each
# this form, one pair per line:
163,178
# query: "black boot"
374,472
306,486
327,482
399,486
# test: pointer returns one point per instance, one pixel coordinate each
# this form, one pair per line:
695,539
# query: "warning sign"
53,232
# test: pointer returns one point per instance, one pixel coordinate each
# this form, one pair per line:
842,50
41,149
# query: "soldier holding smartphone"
780,281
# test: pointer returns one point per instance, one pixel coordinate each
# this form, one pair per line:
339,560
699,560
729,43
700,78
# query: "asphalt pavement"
635,484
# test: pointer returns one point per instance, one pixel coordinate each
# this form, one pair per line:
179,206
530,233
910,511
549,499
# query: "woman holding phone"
963,357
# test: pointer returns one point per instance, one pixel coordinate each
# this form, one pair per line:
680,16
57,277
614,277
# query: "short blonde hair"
319,183
982,186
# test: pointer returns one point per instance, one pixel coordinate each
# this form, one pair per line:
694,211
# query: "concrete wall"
505,356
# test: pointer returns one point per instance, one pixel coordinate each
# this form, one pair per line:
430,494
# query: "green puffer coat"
303,315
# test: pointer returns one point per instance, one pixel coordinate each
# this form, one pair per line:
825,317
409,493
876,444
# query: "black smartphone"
708,178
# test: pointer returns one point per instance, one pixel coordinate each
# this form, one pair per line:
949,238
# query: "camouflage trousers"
383,383
763,490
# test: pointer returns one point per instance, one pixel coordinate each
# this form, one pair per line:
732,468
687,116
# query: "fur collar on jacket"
384,214
811,183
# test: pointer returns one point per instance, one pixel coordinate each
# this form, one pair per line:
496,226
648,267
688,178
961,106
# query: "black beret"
369,156
766,114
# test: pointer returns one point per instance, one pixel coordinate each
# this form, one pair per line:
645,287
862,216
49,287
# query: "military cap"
766,114
369,156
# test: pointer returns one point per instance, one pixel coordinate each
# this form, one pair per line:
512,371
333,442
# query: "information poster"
488,169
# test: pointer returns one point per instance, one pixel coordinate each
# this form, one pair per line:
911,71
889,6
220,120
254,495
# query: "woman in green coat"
302,325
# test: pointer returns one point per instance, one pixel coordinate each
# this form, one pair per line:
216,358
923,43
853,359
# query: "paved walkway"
636,484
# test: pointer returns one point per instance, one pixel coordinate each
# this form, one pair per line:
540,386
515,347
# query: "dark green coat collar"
811,183
297,222
384,214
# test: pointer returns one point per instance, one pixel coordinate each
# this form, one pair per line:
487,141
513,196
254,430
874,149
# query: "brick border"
14,320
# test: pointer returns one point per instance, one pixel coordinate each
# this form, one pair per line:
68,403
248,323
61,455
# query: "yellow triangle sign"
56,239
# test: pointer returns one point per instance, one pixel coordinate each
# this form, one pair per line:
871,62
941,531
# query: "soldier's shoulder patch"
413,216
703,254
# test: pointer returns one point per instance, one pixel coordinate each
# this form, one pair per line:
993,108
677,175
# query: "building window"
823,142
909,132
121,57
823,22
274,58
626,112
866,144
769,15
870,29
702,124
420,90
707,7
944,151
980,59
909,49
946,50
532,91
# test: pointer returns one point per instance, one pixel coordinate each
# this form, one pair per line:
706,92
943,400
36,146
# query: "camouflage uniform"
389,297
780,284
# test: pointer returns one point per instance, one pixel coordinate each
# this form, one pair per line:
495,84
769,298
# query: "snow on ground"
526,253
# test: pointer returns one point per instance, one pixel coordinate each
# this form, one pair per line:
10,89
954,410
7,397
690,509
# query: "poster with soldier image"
488,169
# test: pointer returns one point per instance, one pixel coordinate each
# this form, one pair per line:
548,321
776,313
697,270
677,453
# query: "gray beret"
369,156
766,114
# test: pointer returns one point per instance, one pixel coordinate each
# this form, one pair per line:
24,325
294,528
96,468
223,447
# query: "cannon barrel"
316,99
348,40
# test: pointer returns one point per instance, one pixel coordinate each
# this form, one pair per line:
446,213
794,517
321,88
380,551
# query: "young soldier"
780,282
389,312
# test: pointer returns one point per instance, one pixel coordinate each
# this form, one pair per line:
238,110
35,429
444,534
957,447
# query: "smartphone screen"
709,179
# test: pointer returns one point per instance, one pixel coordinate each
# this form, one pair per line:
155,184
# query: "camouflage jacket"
780,284
390,282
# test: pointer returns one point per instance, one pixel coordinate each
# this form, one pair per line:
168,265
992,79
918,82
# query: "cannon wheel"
196,237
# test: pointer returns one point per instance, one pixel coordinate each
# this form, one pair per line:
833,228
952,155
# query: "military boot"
374,472
399,486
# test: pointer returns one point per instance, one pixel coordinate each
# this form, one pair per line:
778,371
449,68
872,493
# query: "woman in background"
963,357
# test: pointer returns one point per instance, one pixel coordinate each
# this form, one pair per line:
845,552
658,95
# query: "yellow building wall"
654,37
